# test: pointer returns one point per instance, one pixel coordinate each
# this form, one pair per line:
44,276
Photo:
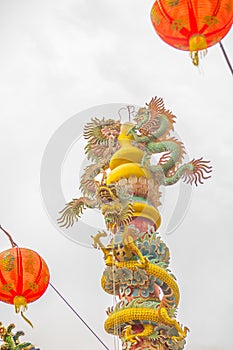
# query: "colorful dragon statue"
11,341
102,144
153,125
128,195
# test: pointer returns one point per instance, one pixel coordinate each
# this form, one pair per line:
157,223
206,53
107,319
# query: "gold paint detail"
120,318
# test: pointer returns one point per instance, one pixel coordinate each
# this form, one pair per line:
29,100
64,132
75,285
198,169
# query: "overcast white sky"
59,58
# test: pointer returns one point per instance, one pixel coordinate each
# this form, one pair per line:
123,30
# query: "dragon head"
106,194
111,129
142,116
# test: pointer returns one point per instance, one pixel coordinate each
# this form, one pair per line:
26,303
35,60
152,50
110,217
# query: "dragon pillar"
128,195
137,272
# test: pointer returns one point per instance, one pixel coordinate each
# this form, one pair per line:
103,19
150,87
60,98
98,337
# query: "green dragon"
153,126
151,133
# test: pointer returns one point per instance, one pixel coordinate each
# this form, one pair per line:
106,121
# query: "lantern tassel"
195,56
26,319
197,43
21,306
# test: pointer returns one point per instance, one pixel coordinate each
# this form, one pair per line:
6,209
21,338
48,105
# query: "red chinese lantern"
192,25
24,277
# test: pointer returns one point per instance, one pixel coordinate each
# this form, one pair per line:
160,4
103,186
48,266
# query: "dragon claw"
132,338
142,264
73,210
131,130
198,171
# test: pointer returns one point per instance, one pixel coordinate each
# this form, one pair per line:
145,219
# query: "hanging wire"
226,57
9,236
76,313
